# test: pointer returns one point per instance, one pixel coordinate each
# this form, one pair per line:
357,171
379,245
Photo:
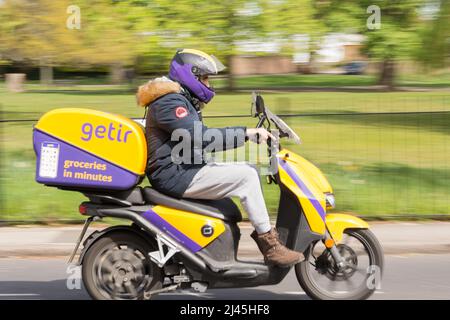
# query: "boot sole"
272,264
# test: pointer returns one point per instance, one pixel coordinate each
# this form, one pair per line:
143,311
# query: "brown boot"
274,252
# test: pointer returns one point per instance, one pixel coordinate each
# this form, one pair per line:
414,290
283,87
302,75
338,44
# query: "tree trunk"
46,74
387,74
311,66
117,73
231,79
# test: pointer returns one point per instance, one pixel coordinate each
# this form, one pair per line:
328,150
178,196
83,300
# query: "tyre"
321,278
117,267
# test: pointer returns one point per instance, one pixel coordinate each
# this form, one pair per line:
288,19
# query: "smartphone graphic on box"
48,167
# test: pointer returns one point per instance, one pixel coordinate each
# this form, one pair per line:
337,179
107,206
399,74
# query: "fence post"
15,82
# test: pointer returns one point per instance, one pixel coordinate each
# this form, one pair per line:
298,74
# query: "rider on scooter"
175,102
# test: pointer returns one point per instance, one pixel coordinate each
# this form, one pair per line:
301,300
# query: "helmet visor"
202,63
220,67
206,65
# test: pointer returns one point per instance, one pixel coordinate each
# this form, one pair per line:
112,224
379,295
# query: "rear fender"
337,223
94,236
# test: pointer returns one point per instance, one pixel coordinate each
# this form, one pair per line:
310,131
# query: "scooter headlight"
330,201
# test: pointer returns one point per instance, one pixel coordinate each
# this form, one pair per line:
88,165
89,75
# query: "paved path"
396,238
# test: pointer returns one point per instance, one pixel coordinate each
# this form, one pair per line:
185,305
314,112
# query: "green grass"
295,80
435,80
35,102
441,80
378,164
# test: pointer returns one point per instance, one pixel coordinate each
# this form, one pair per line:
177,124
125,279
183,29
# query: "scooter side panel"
194,231
310,196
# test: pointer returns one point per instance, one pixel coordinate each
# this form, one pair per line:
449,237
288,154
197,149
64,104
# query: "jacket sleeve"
176,114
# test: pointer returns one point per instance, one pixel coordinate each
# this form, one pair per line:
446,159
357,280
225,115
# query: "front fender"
337,223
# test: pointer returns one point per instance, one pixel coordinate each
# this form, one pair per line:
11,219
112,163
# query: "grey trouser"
223,180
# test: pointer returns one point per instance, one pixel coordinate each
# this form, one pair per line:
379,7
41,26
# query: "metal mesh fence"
385,158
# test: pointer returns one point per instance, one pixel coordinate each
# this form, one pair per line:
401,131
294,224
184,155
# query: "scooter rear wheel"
117,267
322,279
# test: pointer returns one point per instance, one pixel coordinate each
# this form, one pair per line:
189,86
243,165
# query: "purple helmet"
188,65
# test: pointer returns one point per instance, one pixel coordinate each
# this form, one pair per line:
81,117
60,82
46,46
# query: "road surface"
423,276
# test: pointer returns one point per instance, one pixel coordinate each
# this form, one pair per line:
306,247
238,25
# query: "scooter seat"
125,198
224,209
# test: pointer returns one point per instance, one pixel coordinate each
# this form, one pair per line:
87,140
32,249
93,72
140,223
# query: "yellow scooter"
192,244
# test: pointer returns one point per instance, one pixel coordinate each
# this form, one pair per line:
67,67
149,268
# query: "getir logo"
110,132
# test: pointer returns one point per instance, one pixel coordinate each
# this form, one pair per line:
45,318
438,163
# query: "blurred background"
366,84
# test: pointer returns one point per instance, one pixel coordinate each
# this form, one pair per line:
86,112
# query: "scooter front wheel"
117,267
323,279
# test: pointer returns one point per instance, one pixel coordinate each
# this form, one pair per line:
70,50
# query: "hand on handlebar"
259,135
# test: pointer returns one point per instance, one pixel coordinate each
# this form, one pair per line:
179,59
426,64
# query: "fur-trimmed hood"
154,89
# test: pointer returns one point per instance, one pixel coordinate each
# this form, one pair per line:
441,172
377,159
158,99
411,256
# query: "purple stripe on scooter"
163,225
304,188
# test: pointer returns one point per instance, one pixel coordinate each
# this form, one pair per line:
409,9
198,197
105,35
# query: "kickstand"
148,294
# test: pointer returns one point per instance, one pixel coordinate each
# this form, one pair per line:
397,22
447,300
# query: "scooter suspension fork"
330,244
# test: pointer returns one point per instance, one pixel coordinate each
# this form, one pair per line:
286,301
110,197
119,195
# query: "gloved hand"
258,135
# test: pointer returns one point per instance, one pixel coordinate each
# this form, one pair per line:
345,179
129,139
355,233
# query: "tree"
115,33
112,34
288,19
397,36
212,26
109,34
217,26
36,31
435,37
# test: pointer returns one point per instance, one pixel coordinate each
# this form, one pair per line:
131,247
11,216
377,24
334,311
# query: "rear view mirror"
258,106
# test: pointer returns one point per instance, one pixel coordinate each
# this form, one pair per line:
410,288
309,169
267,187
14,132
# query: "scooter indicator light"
329,243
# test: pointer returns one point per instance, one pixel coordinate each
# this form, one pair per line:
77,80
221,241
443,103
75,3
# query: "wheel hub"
326,265
122,273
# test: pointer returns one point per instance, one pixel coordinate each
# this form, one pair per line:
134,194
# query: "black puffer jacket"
168,112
